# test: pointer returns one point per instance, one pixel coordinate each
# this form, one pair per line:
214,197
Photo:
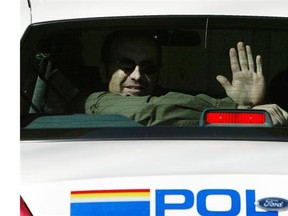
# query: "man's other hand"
278,115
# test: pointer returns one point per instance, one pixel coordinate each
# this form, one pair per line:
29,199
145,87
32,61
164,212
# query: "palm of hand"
247,86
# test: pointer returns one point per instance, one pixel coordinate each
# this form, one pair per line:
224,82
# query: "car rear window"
61,67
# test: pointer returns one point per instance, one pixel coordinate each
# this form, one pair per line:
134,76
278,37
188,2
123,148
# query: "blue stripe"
137,208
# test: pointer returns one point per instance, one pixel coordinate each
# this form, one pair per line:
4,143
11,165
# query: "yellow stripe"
128,194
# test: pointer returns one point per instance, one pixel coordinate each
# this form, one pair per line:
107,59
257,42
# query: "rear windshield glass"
173,76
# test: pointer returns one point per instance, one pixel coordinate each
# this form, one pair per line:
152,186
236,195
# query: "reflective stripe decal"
111,202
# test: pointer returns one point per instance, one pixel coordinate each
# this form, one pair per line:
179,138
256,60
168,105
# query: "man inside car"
131,63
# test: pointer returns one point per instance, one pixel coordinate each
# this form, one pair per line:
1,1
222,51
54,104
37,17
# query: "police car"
108,165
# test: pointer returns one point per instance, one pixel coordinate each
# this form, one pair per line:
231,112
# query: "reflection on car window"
154,76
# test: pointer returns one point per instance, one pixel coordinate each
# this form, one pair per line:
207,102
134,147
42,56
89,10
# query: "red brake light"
235,117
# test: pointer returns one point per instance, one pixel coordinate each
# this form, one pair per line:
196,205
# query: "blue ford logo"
272,203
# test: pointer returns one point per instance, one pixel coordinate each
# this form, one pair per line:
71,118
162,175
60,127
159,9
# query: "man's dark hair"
115,36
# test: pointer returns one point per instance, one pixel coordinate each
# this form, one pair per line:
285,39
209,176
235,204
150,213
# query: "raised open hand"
247,86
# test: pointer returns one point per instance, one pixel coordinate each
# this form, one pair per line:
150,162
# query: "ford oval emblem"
272,203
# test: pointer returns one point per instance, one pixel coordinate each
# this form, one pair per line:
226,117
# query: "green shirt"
171,109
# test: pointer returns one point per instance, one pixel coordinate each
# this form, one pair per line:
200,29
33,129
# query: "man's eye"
127,68
126,65
149,68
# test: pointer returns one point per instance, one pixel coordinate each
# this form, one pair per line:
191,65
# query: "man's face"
133,67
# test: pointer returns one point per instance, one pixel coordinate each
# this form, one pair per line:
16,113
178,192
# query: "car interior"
60,60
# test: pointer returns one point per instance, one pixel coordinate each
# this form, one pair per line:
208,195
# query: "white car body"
49,10
225,169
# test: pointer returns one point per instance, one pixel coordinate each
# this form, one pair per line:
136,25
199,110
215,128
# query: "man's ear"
103,70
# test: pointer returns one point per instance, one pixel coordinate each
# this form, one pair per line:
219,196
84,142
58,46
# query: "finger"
242,56
250,58
279,117
284,114
234,60
224,82
277,114
286,117
275,121
259,65
274,115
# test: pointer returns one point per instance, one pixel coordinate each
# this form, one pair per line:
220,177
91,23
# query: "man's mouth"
133,90
134,87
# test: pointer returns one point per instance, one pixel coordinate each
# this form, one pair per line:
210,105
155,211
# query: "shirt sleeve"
171,109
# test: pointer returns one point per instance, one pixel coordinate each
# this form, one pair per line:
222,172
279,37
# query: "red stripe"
110,191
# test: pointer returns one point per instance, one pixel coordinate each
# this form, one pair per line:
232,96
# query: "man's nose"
136,74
